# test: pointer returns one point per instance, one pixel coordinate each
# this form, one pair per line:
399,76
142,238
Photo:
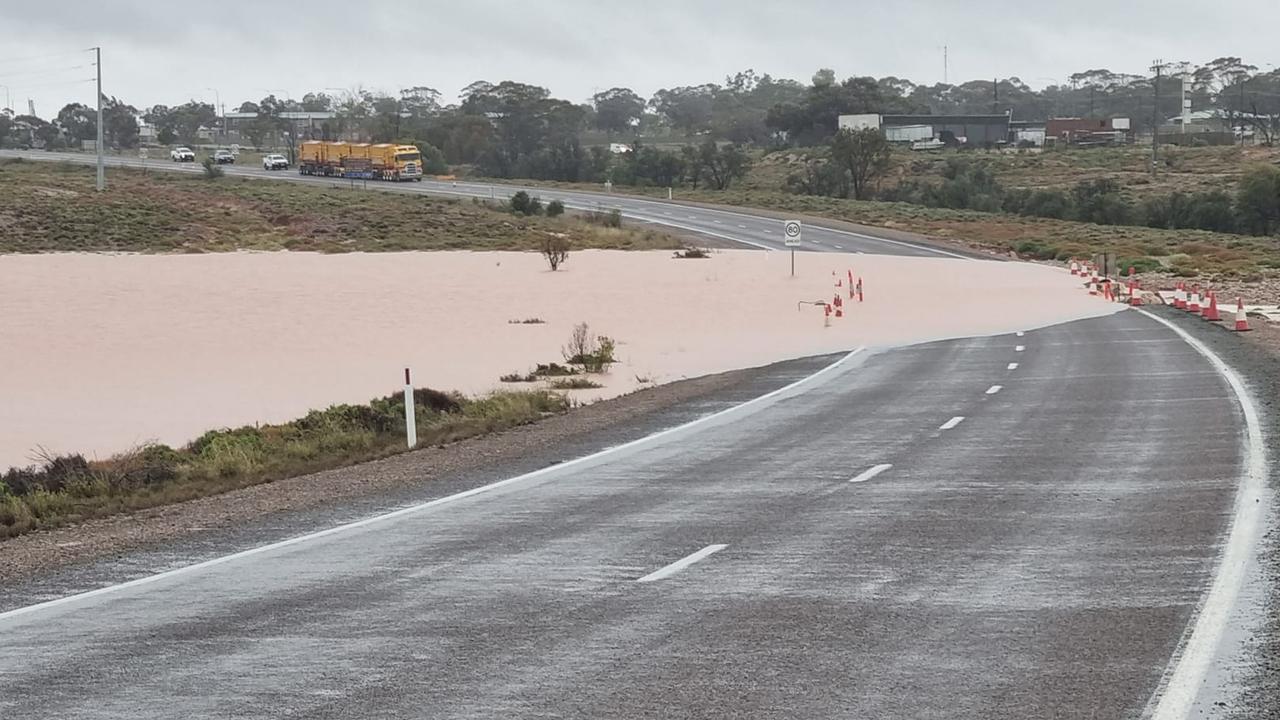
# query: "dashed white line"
816,242
951,423
1021,333
868,474
839,247
1013,366
742,227
994,389
717,222
768,231
682,563
1020,348
691,217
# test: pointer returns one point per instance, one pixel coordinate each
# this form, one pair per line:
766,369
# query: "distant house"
977,130
306,125
1088,131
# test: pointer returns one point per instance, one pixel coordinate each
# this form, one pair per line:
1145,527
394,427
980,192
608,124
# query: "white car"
182,154
275,162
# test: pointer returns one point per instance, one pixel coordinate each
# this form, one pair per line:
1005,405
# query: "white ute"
275,162
182,154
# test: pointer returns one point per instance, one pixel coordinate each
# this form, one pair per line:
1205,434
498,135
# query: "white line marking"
717,222
1013,366
1187,672
816,242
682,563
867,475
664,212
1021,333
1020,348
690,217
839,247
951,423
742,227
148,579
768,231
994,389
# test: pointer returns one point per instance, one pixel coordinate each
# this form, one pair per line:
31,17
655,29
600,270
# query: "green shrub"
555,208
212,170
575,383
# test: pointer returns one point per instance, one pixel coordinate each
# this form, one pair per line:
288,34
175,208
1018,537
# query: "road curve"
742,227
1002,527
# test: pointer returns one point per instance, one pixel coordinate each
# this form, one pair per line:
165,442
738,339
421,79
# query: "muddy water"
99,353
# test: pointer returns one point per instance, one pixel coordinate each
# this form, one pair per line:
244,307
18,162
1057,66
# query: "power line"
37,58
45,71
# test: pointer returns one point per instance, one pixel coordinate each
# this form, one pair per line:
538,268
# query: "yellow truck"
379,161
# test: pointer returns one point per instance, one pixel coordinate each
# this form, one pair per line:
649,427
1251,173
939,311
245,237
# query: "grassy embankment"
53,207
68,489
49,207
1178,252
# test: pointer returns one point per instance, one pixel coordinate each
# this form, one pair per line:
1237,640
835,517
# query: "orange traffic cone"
1180,297
1193,304
1242,322
1075,268
1135,297
1211,310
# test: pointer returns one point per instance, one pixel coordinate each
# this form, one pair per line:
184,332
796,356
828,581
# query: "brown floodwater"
99,353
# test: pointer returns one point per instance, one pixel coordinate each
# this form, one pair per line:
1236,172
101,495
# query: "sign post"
791,238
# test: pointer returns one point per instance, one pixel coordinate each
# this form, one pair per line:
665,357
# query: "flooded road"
99,353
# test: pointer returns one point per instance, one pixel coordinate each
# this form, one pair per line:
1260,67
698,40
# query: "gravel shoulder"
52,563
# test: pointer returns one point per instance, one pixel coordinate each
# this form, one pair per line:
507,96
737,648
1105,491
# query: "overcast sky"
170,52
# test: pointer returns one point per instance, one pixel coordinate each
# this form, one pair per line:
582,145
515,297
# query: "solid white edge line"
431,503
994,389
868,474
682,563
1189,668
1013,366
952,422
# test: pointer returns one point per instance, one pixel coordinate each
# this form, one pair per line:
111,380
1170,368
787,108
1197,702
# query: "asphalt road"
1005,527
740,227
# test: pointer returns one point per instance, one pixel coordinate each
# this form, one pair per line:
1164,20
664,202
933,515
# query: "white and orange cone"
1193,303
1211,310
1242,321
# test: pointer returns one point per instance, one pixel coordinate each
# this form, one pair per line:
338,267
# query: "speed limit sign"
791,229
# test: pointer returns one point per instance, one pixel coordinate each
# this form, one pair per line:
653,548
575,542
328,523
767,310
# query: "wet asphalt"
1001,527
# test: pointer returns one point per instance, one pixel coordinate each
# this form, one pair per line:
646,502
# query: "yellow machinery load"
377,161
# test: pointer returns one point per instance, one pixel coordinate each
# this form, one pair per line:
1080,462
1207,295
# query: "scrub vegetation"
69,488
48,207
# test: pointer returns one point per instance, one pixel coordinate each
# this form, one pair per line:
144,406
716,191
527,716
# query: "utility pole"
1092,89
944,65
1158,67
995,96
102,172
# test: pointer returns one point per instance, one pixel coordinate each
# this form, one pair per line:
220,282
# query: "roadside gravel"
1256,357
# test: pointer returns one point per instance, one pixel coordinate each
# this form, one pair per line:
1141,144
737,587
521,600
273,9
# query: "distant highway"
738,226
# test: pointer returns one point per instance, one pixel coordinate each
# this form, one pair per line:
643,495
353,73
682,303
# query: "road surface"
743,227
1016,527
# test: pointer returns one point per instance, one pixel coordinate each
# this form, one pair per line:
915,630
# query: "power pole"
995,96
1092,89
944,65
102,172
1158,67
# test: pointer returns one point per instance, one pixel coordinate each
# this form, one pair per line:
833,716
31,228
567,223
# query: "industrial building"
1088,131
975,130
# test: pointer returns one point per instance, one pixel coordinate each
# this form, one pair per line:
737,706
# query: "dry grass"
47,207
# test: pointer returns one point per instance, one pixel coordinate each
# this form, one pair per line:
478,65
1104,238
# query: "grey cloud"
156,53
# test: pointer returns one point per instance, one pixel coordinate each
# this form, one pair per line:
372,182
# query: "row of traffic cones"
1206,305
